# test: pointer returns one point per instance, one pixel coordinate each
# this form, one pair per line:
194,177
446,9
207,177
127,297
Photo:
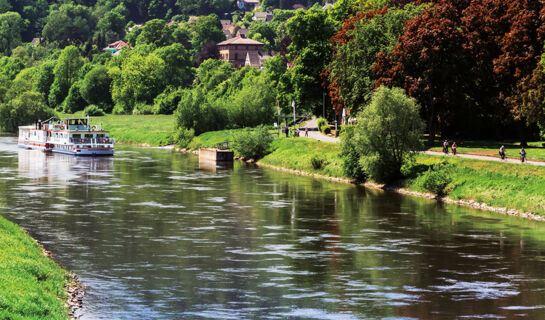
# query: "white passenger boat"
69,136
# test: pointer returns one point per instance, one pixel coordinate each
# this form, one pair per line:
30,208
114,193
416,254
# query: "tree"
22,110
309,53
430,63
44,78
74,101
65,72
10,67
155,32
179,72
110,28
69,24
139,80
11,28
355,48
206,29
95,88
387,133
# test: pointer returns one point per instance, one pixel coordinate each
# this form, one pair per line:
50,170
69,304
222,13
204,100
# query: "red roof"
239,40
120,44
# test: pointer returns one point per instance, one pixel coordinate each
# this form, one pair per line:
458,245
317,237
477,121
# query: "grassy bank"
31,285
153,130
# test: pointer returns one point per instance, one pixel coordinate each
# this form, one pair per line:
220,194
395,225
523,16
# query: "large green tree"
179,71
66,73
11,29
95,88
69,24
22,110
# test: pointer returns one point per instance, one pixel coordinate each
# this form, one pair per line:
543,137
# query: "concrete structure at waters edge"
236,50
216,155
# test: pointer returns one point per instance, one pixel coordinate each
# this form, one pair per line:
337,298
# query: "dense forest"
474,66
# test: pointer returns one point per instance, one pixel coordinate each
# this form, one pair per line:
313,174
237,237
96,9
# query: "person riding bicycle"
502,152
522,155
454,146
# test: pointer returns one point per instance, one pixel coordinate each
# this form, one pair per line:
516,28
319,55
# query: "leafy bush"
253,144
327,129
437,179
93,111
143,108
387,134
74,101
318,162
323,127
167,101
351,159
183,137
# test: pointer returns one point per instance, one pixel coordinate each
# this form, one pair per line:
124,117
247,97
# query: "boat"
75,136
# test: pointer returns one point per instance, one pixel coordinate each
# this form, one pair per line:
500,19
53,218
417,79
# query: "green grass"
296,154
534,151
514,186
152,130
31,285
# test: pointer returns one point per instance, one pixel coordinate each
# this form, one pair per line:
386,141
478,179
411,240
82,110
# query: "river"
155,235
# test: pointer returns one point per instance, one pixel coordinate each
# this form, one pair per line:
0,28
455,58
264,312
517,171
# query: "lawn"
32,286
514,186
152,130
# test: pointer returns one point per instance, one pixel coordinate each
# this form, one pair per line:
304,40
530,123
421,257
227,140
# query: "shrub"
437,179
327,130
143,108
318,162
93,111
183,137
323,127
253,144
351,159
167,101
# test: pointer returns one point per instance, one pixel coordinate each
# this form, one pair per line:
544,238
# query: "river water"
155,235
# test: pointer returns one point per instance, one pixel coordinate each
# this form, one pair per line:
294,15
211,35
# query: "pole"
323,105
279,123
293,105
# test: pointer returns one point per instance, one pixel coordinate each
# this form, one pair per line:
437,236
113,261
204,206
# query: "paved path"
313,132
487,158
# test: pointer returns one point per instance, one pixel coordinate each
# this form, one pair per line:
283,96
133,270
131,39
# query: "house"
263,16
135,26
248,5
236,50
256,59
229,30
242,32
327,6
115,47
37,41
225,21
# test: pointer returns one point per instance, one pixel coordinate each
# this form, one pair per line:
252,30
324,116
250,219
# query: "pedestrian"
445,147
290,132
502,152
454,146
522,155
306,132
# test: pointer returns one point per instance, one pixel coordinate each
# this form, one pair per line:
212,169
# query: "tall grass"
31,285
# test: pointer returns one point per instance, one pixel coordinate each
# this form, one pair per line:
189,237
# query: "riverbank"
507,188
33,285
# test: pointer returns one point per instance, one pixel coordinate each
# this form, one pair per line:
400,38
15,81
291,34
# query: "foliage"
323,126
318,162
206,29
437,179
74,101
69,24
10,66
253,143
387,133
183,137
349,154
139,80
93,111
95,88
179,72
24,109
11,28
65,72
167,101
155,32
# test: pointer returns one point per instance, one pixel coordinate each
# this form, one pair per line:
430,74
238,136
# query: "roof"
253,59
266,16
225,21
242,32
118,45
251,1
239,40
327,6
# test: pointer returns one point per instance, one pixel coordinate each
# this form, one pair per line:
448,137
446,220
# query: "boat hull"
84,152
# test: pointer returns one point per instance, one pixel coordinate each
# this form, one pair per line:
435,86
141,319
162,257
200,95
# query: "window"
236,56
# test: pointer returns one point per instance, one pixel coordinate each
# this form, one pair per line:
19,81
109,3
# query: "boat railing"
92,141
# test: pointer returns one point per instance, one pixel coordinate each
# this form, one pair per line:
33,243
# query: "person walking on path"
522,155
445,147
454,146
306,132
502,152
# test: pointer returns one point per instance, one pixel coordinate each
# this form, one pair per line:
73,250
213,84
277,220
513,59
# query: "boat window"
76,136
